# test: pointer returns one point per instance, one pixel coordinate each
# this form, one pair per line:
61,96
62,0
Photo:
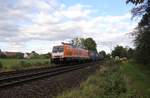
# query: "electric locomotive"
66,53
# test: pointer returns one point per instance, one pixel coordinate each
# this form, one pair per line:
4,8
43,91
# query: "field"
125,80
16,64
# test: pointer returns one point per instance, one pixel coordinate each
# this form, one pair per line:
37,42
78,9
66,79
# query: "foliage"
119,51
139,77
45,56
103,53
34,55
2,55
87,43
143,46
25,64
142,32
138,10
135,1
78,42
130,53
19,55
108,82
108,56
17,64
90,44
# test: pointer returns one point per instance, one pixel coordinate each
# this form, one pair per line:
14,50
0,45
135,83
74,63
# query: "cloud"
24,22
76,12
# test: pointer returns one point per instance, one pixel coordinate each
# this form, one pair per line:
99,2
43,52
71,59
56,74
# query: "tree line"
86,43
19,55
142,31
90,44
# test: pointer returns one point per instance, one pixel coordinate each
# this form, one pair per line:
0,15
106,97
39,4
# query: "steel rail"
25,77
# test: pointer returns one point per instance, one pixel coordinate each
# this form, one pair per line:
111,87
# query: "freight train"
67,53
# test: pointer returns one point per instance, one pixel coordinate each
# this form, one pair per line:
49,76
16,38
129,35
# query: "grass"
139,76
13,64
109,82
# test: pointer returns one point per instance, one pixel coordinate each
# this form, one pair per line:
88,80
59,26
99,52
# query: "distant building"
10,54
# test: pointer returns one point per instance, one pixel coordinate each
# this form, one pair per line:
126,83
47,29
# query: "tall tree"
87,43
90,44
103,53
119,51
142,32
135,1
78,42
130,53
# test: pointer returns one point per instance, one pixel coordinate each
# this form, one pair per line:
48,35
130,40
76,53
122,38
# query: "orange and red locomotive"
69,53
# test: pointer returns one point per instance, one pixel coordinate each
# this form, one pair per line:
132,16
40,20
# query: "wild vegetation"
19,55
142,31
121,52
138,76
18,64
113,80
18,60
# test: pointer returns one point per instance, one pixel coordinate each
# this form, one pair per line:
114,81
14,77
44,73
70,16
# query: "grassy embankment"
139,76
124,80
17,64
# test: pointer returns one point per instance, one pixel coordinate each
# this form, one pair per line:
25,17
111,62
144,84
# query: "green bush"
106,83
114,83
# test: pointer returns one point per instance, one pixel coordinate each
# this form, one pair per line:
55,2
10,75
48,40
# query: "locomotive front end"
58,54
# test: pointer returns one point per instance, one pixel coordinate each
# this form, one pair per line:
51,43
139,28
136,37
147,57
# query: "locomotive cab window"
58,49
61,49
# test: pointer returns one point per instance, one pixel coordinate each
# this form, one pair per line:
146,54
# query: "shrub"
114,83
109,82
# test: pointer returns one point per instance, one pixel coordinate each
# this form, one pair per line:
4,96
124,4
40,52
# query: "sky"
38,25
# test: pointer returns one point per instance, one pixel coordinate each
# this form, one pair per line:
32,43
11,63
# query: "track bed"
48,86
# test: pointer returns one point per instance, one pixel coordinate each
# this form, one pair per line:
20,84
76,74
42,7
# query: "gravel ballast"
48,87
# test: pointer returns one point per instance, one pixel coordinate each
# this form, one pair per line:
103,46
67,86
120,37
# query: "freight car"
66,53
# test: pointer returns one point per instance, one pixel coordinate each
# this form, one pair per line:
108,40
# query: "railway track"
18,78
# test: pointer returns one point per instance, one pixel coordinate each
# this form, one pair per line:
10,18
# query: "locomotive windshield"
58,49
